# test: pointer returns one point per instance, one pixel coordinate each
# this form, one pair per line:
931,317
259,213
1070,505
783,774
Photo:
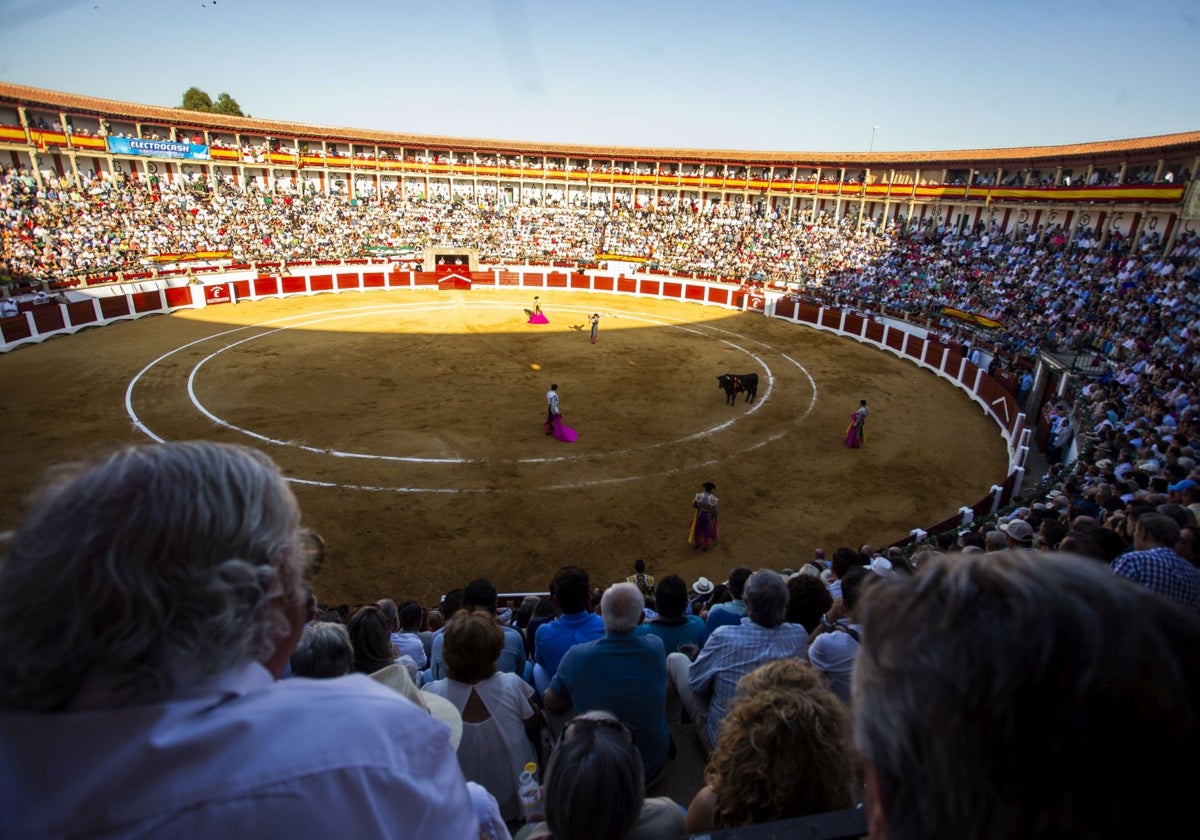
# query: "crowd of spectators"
157,605
1048,287
764,658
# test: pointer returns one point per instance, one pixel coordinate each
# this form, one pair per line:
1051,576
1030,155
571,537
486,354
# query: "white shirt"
238,756
494,751
552,401
410,644
832,654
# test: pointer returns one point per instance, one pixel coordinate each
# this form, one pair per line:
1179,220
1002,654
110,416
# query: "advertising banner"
217,293
157,148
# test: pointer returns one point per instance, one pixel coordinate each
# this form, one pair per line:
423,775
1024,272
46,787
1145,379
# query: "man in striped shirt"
707,686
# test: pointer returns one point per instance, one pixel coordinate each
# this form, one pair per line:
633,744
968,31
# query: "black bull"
735,383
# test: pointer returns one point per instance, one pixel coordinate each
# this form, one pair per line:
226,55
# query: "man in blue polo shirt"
731,612
572,593
623,673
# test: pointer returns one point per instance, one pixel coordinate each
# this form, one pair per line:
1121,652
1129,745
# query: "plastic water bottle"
530,793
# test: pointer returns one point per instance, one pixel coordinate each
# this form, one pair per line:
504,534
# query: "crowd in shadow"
155,605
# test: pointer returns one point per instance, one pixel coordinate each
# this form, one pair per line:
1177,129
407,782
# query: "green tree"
195,99
226,104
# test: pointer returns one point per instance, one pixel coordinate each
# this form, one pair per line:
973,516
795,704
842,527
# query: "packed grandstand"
1072,274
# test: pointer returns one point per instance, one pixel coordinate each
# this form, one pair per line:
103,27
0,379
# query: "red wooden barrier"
114,307
146,302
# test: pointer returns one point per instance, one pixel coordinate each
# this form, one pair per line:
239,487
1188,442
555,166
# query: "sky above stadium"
791,75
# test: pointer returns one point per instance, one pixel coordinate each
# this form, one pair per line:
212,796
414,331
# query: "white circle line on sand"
306,319
335,453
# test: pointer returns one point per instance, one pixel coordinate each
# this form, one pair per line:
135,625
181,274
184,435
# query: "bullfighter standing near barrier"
704,520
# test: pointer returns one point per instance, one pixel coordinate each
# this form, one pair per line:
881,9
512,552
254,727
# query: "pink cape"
538,318
562,431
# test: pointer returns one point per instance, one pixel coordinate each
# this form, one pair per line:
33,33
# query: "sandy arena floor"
411,423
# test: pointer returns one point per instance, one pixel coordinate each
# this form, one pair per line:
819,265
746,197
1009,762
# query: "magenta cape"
562,431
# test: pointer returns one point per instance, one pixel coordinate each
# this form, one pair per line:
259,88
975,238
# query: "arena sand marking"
307,319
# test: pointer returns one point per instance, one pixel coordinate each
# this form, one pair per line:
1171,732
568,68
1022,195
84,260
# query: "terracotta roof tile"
1185,142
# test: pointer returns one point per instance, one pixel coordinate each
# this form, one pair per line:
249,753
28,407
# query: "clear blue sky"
792,75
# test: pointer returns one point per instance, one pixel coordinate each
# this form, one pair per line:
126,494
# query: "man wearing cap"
1191,499
702,589
1178,487
1154,564
1019,534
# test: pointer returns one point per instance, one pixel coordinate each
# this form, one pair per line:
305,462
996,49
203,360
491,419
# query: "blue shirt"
1163,571
687,632
625,674
555,638
722,615
236,755
733,652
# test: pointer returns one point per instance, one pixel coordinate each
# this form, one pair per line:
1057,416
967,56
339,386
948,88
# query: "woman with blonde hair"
784,751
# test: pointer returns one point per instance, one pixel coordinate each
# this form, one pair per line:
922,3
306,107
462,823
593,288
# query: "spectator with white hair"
995,540
324,651
176,577
622,673
707,686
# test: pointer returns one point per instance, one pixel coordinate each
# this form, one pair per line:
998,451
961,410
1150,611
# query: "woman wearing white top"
495,707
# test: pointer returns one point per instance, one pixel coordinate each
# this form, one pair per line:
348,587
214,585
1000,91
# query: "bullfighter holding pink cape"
535,314
554,423
856,431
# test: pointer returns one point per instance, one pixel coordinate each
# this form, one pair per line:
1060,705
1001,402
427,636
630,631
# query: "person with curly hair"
808,767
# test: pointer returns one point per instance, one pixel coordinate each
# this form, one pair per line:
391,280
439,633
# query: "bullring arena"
357,305
404,400
410,424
